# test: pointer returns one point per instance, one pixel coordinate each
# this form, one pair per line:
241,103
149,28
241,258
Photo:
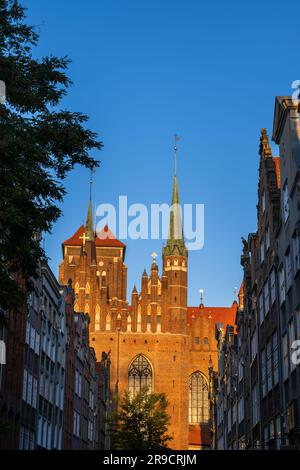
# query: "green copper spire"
175,244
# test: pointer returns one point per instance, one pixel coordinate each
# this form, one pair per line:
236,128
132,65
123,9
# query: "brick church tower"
157,341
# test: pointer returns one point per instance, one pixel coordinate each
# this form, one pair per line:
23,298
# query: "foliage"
142,422
39,145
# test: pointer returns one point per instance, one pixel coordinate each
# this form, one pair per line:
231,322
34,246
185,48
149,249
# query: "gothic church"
156,340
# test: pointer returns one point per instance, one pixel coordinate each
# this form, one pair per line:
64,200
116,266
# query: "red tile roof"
104,238
107,238
276,160
75,240
225,315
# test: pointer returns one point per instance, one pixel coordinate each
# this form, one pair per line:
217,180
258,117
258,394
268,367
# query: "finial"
264,146
176,138
201,296
154,256
235,294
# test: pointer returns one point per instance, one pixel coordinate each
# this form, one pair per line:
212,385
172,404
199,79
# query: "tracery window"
198,399
139,375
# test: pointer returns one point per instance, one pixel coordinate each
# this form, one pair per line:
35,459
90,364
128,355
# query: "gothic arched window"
198,399
107,322
97,318
129,323
139,319
139,375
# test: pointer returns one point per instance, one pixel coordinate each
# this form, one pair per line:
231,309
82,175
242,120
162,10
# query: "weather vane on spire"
176,138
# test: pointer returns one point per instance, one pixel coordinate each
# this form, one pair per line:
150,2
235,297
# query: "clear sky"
145,69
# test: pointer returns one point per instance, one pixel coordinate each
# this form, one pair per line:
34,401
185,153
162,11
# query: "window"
198,399
296,251
34,393
90,431
263,372
275,354
285,356
261,308
266,297
253,345
266,437
285,201
129,323
241,410
255,405
229,424
97,318
240,370
197,340
139,375
234,413
78,383
29,389
32,338
27,334
25,375
273,286
298,323
278,431
267,237
139,319
263,201
288,269
262,250
37,344
269,366
107,323
158,319
281,285
76,424
291,340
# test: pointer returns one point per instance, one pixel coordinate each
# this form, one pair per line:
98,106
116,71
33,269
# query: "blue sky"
143,70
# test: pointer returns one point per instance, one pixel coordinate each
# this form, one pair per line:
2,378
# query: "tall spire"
175,244
89,220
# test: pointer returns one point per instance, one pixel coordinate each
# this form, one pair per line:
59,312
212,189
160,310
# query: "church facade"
156,340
